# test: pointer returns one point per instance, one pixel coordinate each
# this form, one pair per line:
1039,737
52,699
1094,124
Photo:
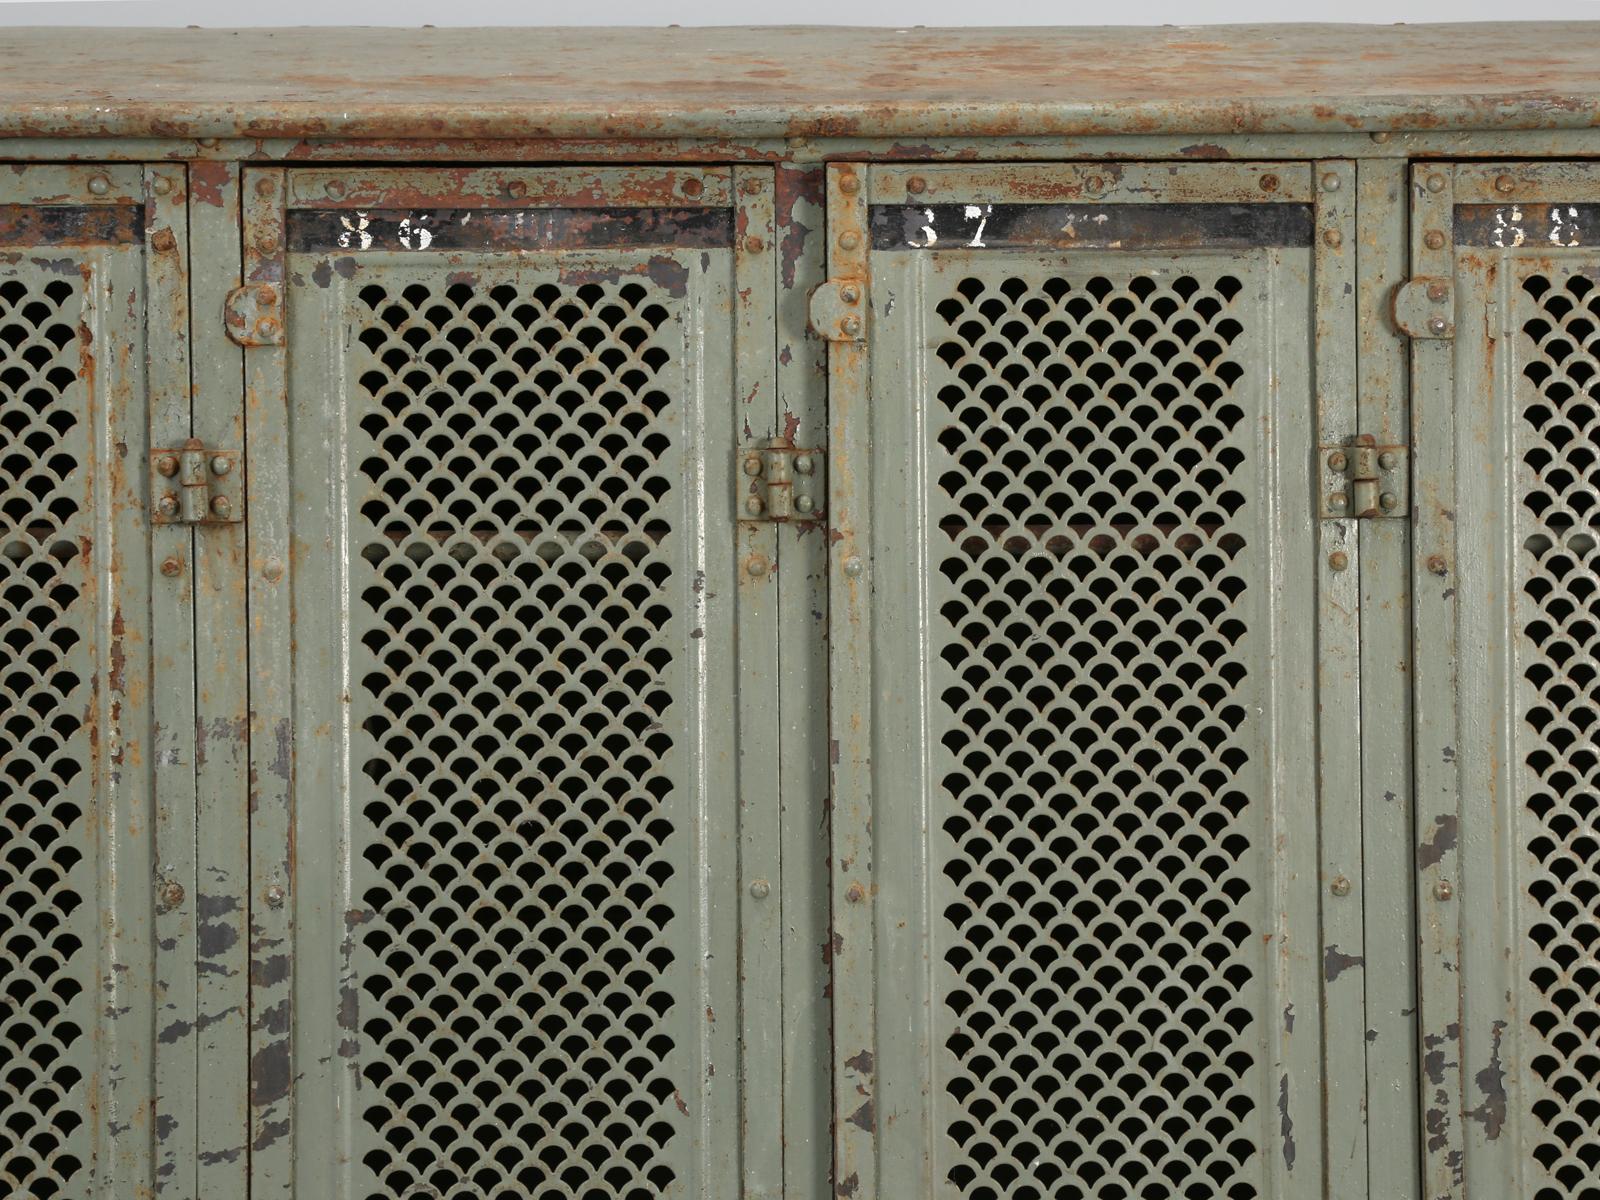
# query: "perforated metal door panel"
510,874
1076,687
96,772
1509,853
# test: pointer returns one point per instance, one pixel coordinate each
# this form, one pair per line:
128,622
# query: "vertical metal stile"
850,574
758,568
1388,904
1438,787
1339,687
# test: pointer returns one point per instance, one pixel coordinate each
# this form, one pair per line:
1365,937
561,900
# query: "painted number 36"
1509,230
972,212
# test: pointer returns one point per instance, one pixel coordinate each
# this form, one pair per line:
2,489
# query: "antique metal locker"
874,614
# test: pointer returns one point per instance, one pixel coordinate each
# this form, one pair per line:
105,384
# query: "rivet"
752,186
172,567
1340,886
1435,183
168,506
266,295
1437,292
1437,564
1433,240
1443,890
851,326
1338,560
849,240
220,506
516,189
853,893
162,241
99,185
1331,182
272,570
1338,500
1388,501
1504,183
1094,183
274,896
849,185
172,895
1438,325
753,505
1337,461
850,294
752,464
267,241
754,245
804,503
756,566
167,465
803,464
1333,238
161,185
267,329
916,185
1269,183
853,567
1387,460
210,143
760,889
1381,136
334,188
692,188
221,464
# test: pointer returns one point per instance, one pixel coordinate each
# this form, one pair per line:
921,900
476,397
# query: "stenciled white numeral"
414,233
1508,231
929,236
356,232
1564,232
980,214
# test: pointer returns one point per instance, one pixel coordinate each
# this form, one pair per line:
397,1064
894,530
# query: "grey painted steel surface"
438,826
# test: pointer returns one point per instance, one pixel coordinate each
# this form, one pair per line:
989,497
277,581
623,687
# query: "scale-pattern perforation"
1093,497
516,545
44,693
1558,443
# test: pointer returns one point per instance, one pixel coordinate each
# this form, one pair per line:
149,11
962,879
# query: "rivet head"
803,464
756,566
272,570
692,188
163,242
167,465
1095,183
161,185
516,189
752,464
1269,183
334,188
752,186
804,503
1437,292
753,505
1333,238
1434,183
849,240
760,889
1340,886
853,567
1504,183
1437,564
850,294
1338,560
1337,461
1387,460
854,892
274,895
172,895
168,506
220,506
849,185
1338,501
851,326
1443,890
172,567
267,242
221,464
1381,136
754,245
1388,501
1433,240
99,185
916,185
266,295
1437,325
1331,182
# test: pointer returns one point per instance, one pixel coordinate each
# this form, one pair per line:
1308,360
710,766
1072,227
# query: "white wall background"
223,13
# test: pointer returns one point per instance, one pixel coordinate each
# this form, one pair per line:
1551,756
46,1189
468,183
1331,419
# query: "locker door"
1507,611
1094,649
513,682
97,885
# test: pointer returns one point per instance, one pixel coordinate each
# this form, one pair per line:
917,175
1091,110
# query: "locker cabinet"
880,613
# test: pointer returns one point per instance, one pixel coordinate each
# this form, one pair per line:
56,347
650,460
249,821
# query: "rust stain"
209,180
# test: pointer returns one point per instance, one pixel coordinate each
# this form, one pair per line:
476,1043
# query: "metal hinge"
779,482
196,485
1425,307
253,315
838,312
1364,479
